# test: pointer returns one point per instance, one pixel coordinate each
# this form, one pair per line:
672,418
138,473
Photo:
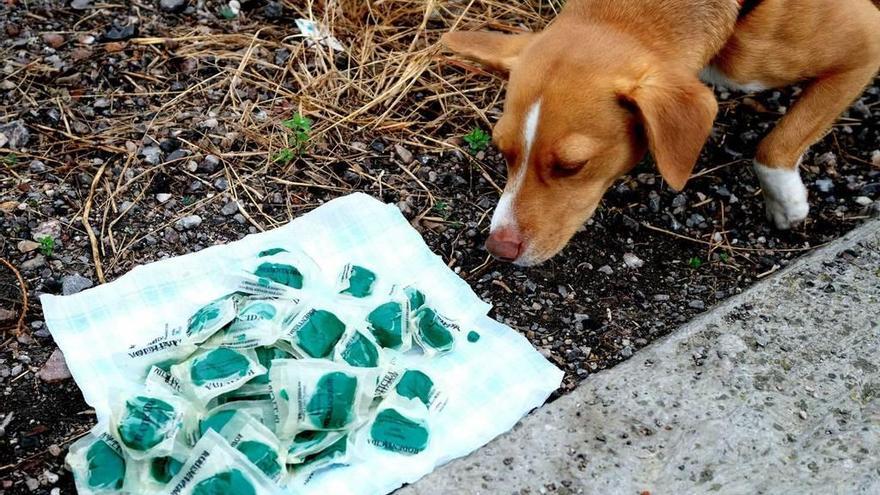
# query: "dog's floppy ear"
677,112
494,50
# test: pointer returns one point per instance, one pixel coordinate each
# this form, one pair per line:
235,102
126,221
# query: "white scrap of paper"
317,33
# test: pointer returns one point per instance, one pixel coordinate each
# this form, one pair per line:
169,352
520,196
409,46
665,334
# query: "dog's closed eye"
562,170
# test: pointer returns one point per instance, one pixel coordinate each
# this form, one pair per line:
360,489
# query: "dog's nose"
504,244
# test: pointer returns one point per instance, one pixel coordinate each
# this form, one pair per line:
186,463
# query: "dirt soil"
162,130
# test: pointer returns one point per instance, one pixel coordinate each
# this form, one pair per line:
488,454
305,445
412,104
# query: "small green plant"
442,209
10,159
188,200
695,262
284,156
302,130
724,257
47,245
477,139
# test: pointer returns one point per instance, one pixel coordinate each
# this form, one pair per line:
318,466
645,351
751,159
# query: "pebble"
189,222
875,158
32,484
173,6
14,135
825,185
826,159
273,10
221,184
405,155
7,314
118,32
81,4
71,284
697,304
633,261
54,450
51,477
209,123
210,163
55,369
27,246
16,370
607,270
229,208
863,200
152,155
53,39
37,167
37,261
163,197
49,228
661,297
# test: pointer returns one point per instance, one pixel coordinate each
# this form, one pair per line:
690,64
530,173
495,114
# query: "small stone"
53,39
607,270
189,222
54,450
37,167
875,158
802,414
273,10
661,297
632,261
32,264
239,218
51,477
32,483
172,6
14,135
7,314
81,4
826,159
209,123
72,284
229,209
163,197
863,200
27,246
221,184
152,155
825,185
697,304
210,164
117,32
405,155
55,369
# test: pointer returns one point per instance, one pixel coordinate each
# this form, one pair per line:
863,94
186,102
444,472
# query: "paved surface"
775,392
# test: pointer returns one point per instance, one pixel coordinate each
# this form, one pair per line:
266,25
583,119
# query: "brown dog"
610,79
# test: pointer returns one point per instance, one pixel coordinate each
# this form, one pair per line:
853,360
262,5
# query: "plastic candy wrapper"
147,424
315,394
162,352
389,322
309,442
211,318
212,372
434,333
278,273
401,423
162,382
356,281
258,323
214,467
215,419
257,443
315,331
338,453
359,349
97,463
152,475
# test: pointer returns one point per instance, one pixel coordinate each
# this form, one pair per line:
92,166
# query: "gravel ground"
94,124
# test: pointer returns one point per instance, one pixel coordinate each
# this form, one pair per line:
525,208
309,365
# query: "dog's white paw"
785,196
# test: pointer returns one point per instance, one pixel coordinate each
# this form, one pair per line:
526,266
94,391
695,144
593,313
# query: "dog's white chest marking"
785,196
503,216
715,77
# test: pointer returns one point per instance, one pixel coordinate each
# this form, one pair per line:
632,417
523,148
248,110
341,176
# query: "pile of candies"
260,389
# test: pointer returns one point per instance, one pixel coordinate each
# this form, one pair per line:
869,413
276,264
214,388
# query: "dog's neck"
690,32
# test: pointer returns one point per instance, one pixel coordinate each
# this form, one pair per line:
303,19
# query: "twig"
96,255
19,327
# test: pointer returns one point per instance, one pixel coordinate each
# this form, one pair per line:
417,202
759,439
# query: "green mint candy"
217,364
225,483
332,402
283,274
202,318
270,252
338,448
215,421
415,296
360,282
393,432
386,324
306,439
415,385
106,467
262,456
433,332
360,352
320,334
145,422
265,355
473,336
162,469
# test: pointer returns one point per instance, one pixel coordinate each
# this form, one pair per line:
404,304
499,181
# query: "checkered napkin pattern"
490,384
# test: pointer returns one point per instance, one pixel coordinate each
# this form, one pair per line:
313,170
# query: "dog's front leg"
779,154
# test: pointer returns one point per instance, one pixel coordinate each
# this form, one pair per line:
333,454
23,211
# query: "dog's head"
584,103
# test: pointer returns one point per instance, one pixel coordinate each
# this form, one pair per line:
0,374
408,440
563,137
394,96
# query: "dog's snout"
504,244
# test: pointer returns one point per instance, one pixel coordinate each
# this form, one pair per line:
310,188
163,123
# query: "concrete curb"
776,390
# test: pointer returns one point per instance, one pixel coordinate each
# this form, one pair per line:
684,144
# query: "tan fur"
619,77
